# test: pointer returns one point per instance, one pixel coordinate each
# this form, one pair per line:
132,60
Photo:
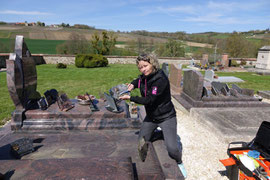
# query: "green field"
4,34
36,46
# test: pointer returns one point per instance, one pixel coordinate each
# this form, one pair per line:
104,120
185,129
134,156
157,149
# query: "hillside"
45,40
49,33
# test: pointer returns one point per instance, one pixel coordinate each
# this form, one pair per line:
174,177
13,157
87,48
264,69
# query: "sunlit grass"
74,81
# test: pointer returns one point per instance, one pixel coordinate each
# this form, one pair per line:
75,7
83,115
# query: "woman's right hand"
130,87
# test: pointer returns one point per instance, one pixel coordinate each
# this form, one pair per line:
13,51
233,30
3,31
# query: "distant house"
263,58
20,23
25,24
32,24
54,25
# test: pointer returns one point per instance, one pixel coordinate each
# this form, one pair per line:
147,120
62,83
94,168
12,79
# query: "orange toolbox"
250,161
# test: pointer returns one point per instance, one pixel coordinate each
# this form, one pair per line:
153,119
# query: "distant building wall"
263,59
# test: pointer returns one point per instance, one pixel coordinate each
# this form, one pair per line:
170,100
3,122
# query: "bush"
243,63
61,66
79,60
234,63
91,60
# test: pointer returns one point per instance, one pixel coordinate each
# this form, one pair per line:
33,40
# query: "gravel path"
201,149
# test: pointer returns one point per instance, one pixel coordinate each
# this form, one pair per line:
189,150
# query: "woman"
156,98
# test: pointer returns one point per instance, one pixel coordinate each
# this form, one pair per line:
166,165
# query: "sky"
191,16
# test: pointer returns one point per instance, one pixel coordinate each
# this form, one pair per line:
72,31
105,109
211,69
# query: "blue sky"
152,15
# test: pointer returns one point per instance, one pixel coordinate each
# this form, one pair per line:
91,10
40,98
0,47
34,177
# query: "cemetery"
101,134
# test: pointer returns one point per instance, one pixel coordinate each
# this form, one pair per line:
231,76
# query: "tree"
77,44
172,48
140,45
40,23
236,45
105,45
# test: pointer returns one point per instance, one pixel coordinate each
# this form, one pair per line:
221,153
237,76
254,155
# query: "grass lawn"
75,81
252,80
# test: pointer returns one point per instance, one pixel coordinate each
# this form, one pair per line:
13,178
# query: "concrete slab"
264,94
227,79
237,123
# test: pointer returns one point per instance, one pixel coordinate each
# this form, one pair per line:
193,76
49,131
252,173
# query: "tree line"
104,43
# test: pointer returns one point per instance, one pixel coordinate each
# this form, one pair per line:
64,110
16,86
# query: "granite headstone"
193,84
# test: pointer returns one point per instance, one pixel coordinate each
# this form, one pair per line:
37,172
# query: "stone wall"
70,59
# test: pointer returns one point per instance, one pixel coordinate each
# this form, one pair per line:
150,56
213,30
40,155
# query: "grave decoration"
112,99
199,93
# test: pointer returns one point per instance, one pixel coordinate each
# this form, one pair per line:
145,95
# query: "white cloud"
177,9
24,12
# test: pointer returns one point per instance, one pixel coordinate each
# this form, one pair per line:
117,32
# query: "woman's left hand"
125,97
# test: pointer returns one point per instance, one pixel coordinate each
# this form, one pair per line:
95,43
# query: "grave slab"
227,79
264,94
232,123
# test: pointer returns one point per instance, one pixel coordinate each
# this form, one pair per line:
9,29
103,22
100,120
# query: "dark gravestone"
224,91
175,79
194,95
165,68
234,92
22,76
243,91
205,92
248,92
214,91
111,104
218,86
193,84
237,88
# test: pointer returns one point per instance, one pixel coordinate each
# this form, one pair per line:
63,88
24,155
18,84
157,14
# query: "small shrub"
61,66
91,60
234,63
243,63
79,60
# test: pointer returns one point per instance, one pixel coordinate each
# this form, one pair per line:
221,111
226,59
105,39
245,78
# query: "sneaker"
183,170
142,148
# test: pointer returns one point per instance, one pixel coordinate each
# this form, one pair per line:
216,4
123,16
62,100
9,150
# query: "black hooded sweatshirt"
156,96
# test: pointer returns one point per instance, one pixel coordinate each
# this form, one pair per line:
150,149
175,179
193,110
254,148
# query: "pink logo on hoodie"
154,90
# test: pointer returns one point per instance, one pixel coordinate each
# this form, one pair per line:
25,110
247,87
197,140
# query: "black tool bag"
262,140
22,147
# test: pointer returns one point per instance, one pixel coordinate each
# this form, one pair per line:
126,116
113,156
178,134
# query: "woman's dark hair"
150,58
